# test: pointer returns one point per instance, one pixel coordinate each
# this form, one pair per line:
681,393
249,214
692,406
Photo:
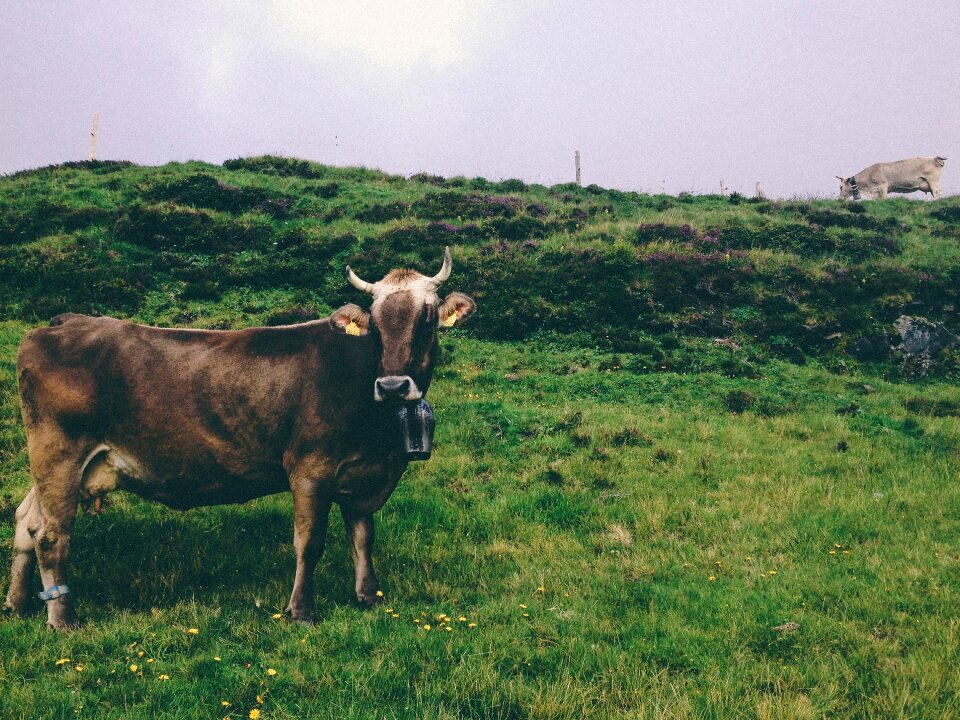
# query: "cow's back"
902,170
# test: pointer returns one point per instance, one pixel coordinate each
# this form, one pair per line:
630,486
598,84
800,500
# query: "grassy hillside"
632,519
265,240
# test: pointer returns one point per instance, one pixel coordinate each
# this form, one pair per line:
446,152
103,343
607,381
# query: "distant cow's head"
404,316
846,187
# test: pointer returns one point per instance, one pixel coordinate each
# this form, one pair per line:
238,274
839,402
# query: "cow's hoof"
63,625
370,601
301,617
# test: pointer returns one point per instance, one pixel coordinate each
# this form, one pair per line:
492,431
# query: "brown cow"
205,417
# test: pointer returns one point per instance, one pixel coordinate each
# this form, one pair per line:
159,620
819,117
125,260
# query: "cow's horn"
445,270
838,178
359,284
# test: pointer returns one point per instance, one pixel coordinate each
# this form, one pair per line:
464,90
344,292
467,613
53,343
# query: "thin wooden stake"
576,159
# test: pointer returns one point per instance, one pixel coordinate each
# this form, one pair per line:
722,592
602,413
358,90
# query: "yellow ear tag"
451,319
352,328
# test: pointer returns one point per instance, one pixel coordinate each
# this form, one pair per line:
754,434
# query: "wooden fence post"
92,155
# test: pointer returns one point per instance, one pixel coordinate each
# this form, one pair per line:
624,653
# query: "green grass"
638,520
660,504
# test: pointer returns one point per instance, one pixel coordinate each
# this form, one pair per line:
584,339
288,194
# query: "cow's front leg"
360,535
310,514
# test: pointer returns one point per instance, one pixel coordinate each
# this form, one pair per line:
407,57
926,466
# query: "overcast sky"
655,95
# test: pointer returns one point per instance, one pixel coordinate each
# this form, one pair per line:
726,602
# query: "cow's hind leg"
360,535
56,467
24,553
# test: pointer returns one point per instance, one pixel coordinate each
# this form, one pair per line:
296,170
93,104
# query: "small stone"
787,627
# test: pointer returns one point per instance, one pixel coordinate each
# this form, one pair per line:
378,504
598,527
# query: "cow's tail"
939,160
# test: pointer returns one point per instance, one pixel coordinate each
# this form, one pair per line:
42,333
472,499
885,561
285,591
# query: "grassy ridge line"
264,240
654,537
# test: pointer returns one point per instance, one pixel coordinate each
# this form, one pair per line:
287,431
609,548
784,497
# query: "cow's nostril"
393,387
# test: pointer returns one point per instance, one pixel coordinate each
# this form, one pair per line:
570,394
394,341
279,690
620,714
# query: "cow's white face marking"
422,289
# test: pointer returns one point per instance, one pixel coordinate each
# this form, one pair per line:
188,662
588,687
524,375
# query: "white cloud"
393,35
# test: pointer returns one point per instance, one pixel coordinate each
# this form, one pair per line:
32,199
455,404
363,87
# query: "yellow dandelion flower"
62,661
448,628
846,552
216,658
277,616
379,593
426,627
396,615
461,619
526,614
833,552
748,558
79,667
254,714
193,631
133,668
541,589
417,620
522,606
712,578
773,572
163,677
388,610
837,545
140,654
259,699
225,703
271,672
472,625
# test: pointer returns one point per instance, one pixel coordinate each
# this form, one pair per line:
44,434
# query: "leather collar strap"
53,593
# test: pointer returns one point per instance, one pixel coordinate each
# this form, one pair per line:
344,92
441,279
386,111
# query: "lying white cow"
902,176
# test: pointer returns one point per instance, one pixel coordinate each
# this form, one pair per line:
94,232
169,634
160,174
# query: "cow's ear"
351,319
456,308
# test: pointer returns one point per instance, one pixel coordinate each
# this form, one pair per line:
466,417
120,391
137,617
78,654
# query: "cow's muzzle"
396,388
